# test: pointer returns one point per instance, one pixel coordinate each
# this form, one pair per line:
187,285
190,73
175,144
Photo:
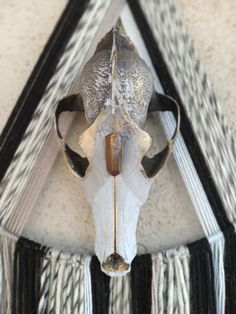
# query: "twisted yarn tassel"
170,282
76,280
88,307
7,248
55,268
67,287
217,247
45,284
120,300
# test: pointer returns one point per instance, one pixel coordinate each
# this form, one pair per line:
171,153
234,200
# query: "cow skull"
116,87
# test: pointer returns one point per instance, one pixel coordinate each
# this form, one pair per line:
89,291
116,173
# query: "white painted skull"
116,87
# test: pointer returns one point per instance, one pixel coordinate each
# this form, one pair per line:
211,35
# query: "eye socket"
153,165
75,161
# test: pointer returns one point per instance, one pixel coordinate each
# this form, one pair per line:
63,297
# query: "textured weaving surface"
200,102
50,281
33,140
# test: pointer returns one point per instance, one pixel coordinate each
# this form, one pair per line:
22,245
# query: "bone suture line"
115,214
113,90
113,160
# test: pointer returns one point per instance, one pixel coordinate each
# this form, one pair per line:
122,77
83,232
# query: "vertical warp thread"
141,279
100,288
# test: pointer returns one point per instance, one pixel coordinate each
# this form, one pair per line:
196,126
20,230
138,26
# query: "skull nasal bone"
115,263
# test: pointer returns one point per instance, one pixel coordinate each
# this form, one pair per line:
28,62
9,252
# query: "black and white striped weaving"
197,278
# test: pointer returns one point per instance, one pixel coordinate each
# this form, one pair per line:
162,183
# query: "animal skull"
116,87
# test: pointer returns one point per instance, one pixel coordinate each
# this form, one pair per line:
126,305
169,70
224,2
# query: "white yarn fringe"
6,272
65,284
217,244
120,297
170,282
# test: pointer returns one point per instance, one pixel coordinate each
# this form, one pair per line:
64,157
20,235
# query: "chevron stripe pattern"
200,103
26,155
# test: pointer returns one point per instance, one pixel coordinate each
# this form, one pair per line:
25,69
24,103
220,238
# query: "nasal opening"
115,264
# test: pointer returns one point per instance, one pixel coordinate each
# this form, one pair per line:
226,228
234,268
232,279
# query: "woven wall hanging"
196,278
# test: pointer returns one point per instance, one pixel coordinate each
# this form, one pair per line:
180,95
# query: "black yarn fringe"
100,288
202,291
26,281
141,283
230,270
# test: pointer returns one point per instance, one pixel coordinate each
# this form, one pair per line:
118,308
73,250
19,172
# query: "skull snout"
115,265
